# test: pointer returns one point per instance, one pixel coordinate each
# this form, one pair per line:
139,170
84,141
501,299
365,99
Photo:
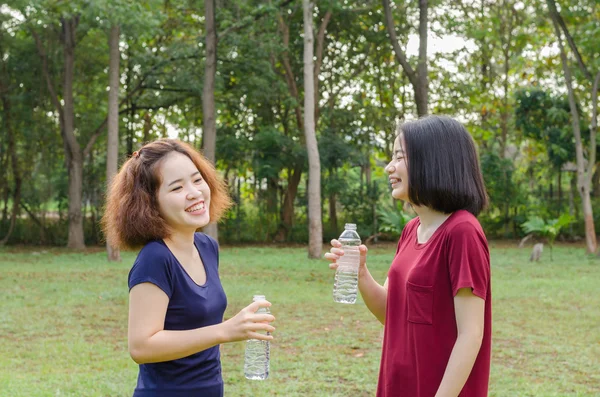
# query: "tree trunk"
209,128
13,157
422,98
112,146
287,209
506,42
147,127
294,176
596,181
74,154
333,222
559,188
583,175
315,227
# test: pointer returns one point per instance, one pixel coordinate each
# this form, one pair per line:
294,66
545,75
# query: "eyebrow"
399,151
180,180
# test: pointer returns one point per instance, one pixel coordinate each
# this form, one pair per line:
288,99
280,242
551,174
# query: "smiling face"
183,195
397,170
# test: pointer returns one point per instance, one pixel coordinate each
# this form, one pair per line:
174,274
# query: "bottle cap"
257,298
350,226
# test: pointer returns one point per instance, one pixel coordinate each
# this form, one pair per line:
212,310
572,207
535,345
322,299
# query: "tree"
209,130
73,153
315,227
11,140
294,174
584,172
112,149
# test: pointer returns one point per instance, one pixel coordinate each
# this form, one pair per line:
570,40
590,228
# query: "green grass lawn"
63,324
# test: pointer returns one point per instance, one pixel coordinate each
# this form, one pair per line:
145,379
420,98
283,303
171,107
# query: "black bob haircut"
443,166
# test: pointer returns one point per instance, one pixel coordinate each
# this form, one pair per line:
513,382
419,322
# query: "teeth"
197,207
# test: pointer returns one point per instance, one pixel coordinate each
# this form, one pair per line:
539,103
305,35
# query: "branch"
94,137
53,95
320,44
554,12
255,18
319,61
156,107
36,220
102,125
572,102
400,55
289,73
164,63
168,89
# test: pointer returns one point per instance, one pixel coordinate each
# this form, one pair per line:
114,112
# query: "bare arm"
374,295
149,342
470,314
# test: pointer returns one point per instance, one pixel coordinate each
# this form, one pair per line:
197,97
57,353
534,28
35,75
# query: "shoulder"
408,231
154,254
464,222
154,249
154,264
411,225
207,241
465,230
204,239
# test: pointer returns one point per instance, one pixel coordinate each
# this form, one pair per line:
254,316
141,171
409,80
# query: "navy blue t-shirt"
190,306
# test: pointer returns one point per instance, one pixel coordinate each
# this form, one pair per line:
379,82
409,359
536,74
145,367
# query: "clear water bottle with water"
256,360
345,288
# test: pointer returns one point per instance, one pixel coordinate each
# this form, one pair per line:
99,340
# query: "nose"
389,168
193,193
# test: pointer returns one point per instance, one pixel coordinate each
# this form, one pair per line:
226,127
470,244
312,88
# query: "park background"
296,103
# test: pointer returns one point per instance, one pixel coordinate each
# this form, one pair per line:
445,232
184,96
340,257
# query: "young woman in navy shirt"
159,198
436,301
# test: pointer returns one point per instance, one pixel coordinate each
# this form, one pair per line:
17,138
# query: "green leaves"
549,229
392,219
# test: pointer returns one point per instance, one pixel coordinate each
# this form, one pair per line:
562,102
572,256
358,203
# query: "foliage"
503,80
549,229
392,219
546,119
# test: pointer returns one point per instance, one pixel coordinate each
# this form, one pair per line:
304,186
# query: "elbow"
473,335
137,353
137,356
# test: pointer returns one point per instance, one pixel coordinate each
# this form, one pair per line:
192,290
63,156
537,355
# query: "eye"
198,180
176,189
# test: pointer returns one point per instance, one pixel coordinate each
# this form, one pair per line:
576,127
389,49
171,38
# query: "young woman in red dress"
436,301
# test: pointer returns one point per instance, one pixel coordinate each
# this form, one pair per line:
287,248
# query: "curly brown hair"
131,215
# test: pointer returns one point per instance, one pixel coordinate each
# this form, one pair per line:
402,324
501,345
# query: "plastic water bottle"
345,287
256,360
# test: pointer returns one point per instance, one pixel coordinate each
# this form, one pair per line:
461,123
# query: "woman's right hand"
336,252
246,324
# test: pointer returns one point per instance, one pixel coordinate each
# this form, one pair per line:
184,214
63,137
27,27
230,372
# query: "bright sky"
438,44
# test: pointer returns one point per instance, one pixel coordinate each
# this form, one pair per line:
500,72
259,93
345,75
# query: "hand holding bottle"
336,252
247,323
347,259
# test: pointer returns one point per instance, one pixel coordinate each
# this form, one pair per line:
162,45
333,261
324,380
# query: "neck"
180,240
430,218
